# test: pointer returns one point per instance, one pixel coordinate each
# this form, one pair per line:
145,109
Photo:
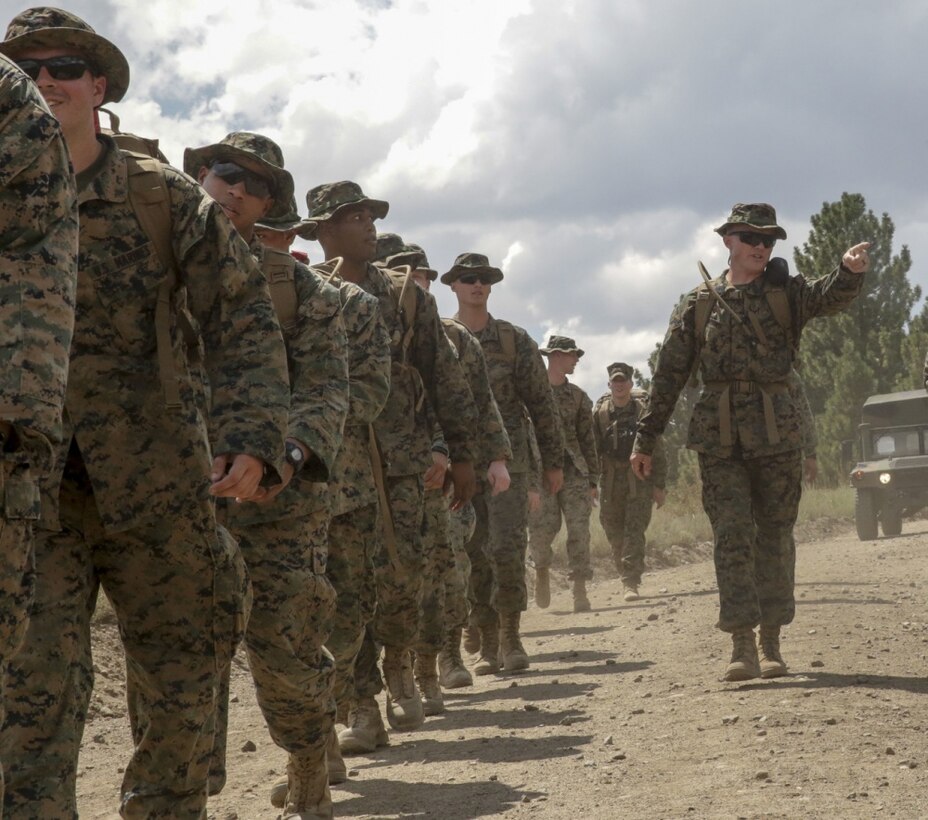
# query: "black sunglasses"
231,173
755,239
474,278
59,68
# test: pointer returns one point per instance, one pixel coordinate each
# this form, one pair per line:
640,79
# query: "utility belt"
766,389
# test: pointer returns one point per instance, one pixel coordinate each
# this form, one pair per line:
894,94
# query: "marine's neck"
474,318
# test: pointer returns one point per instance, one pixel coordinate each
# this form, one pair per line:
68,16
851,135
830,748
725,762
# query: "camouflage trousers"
497,552
175,585
399,585
460,529
17,565
625,507
574,505
291,613
439,564
353,539
752,505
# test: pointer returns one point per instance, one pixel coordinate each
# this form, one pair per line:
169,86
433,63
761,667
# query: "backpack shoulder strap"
778,302
404,291
280,271
150,199
703,309
507,340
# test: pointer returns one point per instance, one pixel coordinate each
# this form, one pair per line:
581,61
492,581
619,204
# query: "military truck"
891,478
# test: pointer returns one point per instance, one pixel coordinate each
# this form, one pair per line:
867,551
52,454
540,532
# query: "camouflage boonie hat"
561,344
620,369
757,215
291,221
324,201
255,147
471,263
392,252
430,273
48,27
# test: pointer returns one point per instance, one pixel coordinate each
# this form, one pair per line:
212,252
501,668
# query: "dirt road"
623,715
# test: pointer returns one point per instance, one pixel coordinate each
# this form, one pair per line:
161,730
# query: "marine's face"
242,208
276,240
621,389
351,234
71,101
565,362
746,257
471,293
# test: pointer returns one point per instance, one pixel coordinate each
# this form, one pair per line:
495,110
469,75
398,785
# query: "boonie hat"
291,221
471,263
257,148
561,344
393,252
324,201
48,27
757,215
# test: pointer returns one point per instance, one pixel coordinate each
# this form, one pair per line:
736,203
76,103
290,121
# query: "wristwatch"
293,454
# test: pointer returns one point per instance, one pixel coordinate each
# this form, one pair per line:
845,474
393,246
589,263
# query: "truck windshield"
895,443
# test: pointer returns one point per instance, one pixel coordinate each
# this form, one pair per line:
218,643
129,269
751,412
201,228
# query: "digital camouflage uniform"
574,502
747,429
498,545
128,506
354,528
493,445
38,257
625,501
423,368
283,541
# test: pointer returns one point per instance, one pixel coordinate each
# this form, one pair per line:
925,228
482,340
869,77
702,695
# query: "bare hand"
659,496
242,478
498,477
465,483
434,478
857,259
534,501
810,469
641,465
553,480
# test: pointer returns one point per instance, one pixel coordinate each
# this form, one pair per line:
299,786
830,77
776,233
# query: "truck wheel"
865,515
891,520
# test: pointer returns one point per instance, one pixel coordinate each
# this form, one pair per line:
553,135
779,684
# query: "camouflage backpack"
779,306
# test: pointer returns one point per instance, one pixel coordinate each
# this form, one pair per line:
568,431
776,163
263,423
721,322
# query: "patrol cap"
48,27
561,344
254,147
392,252
291,221
757,215
617,369
325,201
471,263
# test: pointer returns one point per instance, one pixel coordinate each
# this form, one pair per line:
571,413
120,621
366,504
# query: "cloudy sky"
586,146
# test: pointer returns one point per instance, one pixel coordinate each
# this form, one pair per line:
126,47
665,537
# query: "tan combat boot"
335,765
772,664
404,706
488,661
425,672
512,654
631,591
452,674
365,730
542,587
581,602
308,796
743,665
